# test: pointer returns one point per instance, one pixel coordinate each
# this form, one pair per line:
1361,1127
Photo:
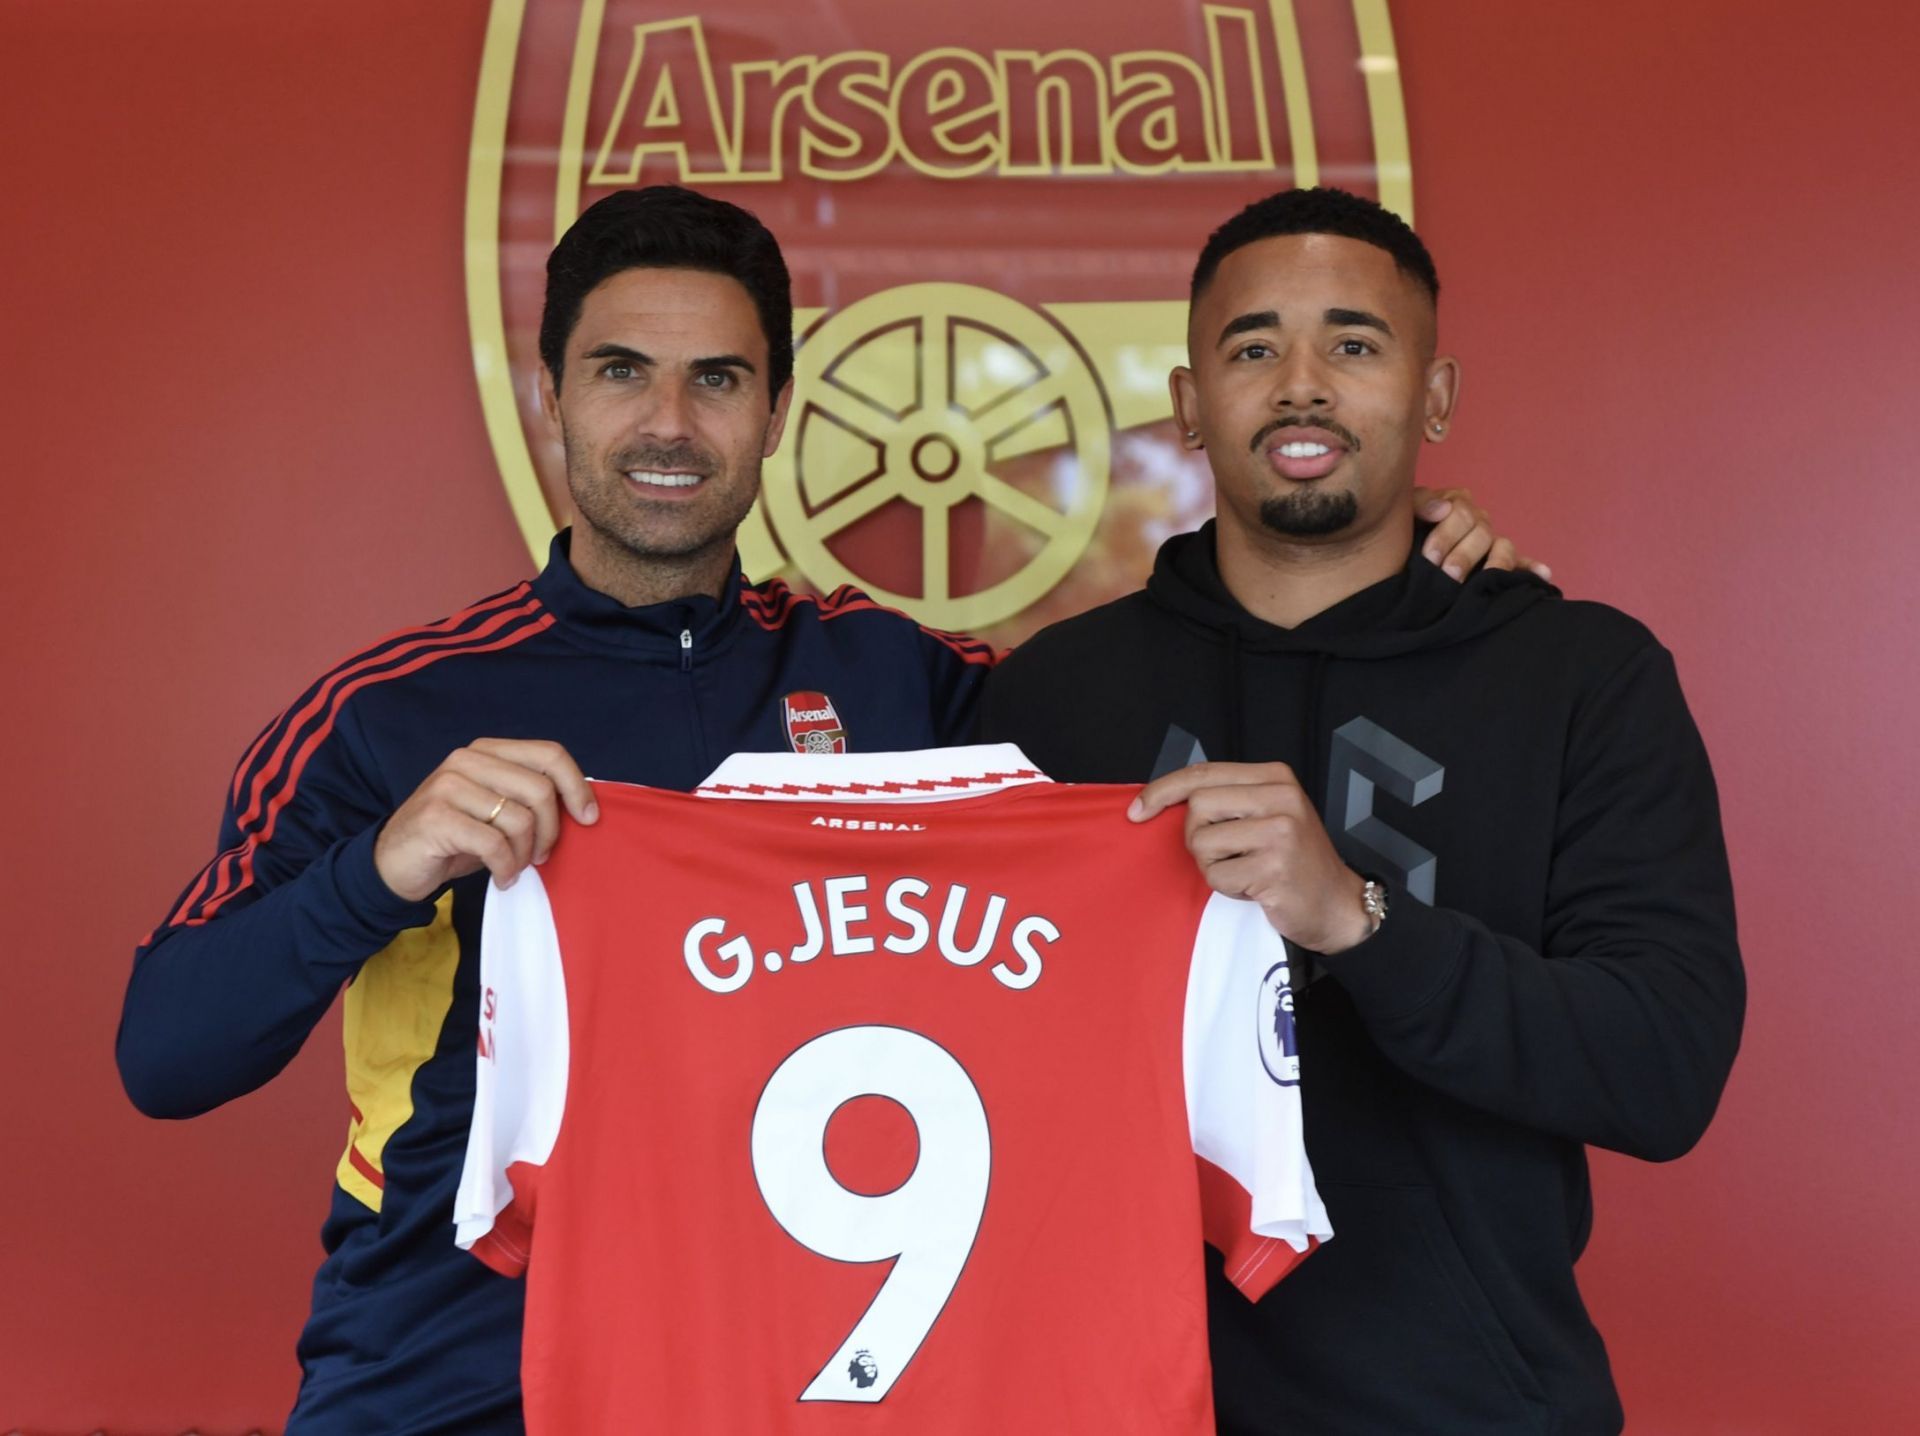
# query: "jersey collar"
929,773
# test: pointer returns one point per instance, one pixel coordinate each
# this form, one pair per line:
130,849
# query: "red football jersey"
879,1093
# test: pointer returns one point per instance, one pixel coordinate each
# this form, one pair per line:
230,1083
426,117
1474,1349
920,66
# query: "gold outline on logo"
1386,106
486,167
486,163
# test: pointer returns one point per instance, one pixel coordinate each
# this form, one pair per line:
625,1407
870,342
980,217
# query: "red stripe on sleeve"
326,696
1254,1263
772,609
366,655
508,1245
240,874
246,774
210,884
365,1168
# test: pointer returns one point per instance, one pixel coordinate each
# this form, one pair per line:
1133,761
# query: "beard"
1310,513
602,502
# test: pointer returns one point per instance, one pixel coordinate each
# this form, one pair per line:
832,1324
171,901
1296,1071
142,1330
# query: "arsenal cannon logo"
812,724
990,220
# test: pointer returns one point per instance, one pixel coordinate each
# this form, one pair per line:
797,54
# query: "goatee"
1309,513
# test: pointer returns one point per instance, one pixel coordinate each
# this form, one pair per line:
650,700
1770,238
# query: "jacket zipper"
696,730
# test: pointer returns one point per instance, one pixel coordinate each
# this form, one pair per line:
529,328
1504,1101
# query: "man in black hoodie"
1483,810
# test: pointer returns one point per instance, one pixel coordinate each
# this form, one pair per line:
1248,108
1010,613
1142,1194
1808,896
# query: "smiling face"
664,412
1312,383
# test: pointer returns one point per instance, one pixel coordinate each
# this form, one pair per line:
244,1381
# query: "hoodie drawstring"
1310,723
1313,765
1236,702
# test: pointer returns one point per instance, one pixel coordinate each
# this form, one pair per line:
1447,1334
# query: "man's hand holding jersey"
1256,835
494,804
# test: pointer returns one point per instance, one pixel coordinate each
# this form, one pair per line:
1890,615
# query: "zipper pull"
686,650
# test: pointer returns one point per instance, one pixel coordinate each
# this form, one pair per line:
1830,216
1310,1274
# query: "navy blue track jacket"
409,1334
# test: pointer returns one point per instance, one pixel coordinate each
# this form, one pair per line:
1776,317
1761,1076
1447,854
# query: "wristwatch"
1373,897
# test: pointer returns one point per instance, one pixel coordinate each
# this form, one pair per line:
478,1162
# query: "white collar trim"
920,776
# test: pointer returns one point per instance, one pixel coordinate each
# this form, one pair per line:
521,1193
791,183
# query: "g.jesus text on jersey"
849,928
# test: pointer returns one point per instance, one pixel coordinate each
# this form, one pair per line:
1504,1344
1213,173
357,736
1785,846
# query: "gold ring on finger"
496,811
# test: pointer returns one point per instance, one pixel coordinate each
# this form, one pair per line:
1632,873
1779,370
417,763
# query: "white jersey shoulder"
1243,1070
520,1084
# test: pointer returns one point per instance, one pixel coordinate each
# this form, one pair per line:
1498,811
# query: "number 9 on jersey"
929,1222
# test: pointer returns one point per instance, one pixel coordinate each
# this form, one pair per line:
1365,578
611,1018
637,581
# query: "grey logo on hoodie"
1365,757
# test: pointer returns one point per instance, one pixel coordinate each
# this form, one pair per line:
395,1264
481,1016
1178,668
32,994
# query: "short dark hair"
1320,211
668,227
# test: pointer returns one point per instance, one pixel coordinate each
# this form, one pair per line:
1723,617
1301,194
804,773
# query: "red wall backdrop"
241,437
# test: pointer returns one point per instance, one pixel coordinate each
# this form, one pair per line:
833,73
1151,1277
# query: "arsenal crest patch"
812,724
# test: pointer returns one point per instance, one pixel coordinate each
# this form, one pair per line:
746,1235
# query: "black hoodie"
1558,966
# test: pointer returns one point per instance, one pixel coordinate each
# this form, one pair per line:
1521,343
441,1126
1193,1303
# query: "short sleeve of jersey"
1259,1203
520,1086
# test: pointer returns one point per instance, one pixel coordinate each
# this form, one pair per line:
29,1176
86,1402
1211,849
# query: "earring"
1438,428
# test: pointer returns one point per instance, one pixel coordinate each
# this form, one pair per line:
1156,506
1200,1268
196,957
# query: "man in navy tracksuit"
363,822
